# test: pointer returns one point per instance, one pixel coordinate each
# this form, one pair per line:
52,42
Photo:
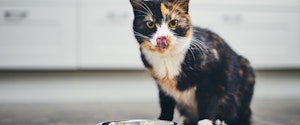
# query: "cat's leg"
188,121
207,113
207,106
167,105
244,118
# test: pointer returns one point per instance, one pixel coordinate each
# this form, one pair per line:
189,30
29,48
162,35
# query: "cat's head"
162,26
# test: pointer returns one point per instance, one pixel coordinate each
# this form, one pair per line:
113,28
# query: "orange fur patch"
215,53
186,97
189,32
223,100
176,7
250,79
164,10
241,73
168,84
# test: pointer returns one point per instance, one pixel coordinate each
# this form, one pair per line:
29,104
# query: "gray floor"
86,98
266,112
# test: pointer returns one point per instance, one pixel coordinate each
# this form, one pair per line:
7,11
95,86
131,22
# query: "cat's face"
162,26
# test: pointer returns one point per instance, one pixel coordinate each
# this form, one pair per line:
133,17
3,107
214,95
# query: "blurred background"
74,62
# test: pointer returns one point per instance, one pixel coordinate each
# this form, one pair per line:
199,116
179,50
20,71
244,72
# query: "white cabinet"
97,34
265,31
107,40
37,34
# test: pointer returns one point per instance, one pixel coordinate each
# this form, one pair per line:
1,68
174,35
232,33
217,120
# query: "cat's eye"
173,24
150,24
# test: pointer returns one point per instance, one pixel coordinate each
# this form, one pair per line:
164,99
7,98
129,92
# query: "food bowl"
139,122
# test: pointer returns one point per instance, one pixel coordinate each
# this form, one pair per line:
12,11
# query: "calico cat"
194,68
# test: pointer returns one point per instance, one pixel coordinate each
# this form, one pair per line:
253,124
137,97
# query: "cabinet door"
244,3
107,40
267,39
37,36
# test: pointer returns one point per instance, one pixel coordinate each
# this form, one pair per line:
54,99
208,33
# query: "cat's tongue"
162,42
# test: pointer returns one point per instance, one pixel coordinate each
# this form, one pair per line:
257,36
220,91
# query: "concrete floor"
86,98
266,112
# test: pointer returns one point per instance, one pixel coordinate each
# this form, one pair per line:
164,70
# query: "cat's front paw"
209,122
219,122
205,122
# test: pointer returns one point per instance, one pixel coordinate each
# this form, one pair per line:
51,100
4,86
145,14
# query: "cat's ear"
136,4
184,4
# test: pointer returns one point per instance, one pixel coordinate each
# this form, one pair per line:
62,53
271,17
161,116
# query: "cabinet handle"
15,15
232,18
117,16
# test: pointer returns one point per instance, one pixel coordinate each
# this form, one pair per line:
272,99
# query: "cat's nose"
161,42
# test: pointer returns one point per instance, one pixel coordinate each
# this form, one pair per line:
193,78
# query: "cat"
196,71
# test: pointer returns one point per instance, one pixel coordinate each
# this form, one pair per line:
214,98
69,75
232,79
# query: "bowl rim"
135,120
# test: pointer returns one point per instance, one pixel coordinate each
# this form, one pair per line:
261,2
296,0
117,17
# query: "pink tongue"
162,42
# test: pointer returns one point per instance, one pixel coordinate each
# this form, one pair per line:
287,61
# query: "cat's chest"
167,66
166,69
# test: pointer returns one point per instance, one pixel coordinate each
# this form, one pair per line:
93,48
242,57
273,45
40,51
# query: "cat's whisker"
192,53
198,47
146,13
194,48
149,10
141,35
145,7
140,15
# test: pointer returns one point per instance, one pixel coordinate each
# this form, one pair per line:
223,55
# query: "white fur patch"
205,122
219,122
209,122
187,97
165,65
